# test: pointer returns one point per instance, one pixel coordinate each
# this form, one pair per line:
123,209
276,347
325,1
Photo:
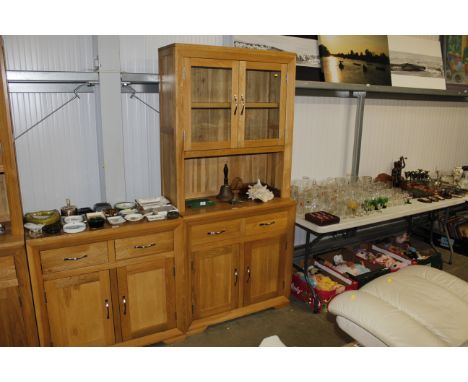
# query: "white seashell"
260,192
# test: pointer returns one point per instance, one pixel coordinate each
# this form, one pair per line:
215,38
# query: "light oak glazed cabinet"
229,106
17,323
121,285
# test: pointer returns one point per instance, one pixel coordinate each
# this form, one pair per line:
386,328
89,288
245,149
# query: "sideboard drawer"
212,232
266,223
68,258
144,245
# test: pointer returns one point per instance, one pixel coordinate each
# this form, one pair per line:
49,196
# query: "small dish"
73,219
116,220
124,205
133,217
74,227
152,218
128,211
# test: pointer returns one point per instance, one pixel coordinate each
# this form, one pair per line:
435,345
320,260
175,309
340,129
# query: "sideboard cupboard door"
147,298
215,280
263,269
12,332
80,310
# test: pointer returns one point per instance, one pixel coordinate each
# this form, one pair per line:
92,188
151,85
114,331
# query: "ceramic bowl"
124,205
96,222
74,227
128,211
73,219
133,217
116,220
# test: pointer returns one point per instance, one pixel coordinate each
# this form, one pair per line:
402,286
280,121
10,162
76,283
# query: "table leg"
307,251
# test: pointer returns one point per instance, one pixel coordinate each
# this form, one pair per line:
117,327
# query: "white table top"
384,215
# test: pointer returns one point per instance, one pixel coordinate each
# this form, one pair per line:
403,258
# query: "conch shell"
260,192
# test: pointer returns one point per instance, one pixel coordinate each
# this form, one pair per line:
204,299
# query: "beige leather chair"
416,306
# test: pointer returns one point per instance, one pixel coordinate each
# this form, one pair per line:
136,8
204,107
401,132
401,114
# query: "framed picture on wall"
355,59
455,57
308,67
416,62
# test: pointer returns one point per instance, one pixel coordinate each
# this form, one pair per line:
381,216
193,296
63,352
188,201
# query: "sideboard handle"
144,246
75,258
215,232
267,224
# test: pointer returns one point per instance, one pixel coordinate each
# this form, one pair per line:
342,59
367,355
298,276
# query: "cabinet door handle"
235,105
74,258
143,246
106,303
243,105
124,303
267,224
215,232
236,277
248,274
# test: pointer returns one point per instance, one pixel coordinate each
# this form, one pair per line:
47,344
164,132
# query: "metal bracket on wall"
361,98
76,96
126,85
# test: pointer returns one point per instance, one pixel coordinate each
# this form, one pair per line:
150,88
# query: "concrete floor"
295,324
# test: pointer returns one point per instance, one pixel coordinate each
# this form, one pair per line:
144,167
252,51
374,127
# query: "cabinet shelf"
232,151
262,105
328,89
211,105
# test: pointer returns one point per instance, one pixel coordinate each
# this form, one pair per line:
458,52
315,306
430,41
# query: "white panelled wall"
59,158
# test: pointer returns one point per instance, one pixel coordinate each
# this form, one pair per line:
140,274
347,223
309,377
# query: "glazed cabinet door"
212,103
80,310
12,326
215,280
147,297
264,269
262,115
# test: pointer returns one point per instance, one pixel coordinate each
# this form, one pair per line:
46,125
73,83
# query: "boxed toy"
356,264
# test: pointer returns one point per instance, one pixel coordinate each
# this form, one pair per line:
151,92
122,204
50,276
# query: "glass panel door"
262,112
212,93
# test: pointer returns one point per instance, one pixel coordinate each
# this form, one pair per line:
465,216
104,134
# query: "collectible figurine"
396,172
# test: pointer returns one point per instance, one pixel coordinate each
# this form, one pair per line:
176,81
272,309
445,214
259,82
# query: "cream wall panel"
141,146
58,158
49,53
323,136
139,54
431,134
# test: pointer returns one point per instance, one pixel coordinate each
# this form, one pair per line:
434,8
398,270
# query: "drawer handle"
215,232
124,302
106,303
144,246
75,258
267,224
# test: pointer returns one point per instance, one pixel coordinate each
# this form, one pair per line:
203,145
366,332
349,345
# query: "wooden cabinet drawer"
144,245
8,272
266,223
68,258
212,232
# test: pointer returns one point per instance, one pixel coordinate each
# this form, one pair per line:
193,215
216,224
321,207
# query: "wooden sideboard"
114,286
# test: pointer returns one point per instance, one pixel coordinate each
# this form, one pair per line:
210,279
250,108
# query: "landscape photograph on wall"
416,62
355,59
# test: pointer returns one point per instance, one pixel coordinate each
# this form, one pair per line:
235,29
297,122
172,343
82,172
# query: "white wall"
430,133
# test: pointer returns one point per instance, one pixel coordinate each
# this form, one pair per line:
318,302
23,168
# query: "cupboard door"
263,269
12,326
215,280
262,115
80,310
212,104
147,298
